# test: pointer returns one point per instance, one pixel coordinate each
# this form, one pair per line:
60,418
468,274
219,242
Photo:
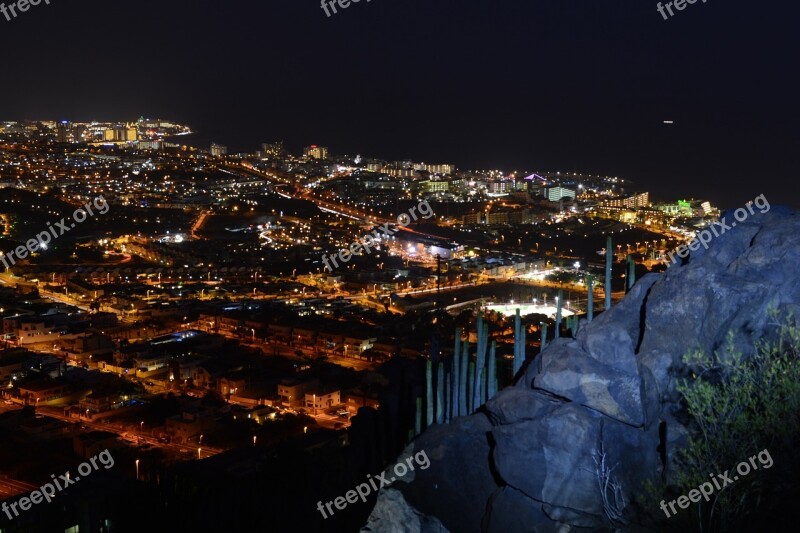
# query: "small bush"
738,406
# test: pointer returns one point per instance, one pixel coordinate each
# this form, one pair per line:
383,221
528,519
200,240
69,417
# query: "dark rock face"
458,478
532,465
518,405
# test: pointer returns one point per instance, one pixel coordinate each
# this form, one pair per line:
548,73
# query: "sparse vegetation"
737,406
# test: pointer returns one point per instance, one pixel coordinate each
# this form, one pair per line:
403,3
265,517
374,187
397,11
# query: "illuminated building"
316,152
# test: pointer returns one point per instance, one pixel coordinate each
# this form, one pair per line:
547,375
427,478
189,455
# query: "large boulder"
459,481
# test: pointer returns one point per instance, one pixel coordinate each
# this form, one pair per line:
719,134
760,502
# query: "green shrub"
738,406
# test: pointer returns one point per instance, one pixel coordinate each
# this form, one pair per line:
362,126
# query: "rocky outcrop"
529,461
392,513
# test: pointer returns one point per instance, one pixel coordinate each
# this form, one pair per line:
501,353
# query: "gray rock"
511,510
516,404
595,385
540,458
392,514
458,482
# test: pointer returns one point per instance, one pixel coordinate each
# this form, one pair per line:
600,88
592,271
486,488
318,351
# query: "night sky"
571,85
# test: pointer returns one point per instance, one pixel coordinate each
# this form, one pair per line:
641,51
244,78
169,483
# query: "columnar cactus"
448,393
631,272
609,259
543,340
429,393
558,312
455,381
418,417
440,393
463,385
471,386
519,354
572,324
492,379
483,380
480,362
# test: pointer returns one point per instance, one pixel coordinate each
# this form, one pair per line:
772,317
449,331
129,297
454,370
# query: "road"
289,352
131,435
11,487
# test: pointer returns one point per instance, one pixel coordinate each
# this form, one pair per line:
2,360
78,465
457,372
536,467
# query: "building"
435,169
273,150
150,145
637,201
64,132
293,390
316,152
43,391
357,399
127,134
11,366
669,209
499,187
93,443
188,426
432,186
98,402
554,194
35,329
472,218
217,150
322,400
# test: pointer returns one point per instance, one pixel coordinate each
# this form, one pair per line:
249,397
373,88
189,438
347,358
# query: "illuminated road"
131,436
11,487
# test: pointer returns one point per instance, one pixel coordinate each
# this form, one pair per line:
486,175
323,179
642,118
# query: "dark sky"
580,85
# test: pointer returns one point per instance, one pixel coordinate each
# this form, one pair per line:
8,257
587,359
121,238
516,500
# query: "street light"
137,469
199,451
